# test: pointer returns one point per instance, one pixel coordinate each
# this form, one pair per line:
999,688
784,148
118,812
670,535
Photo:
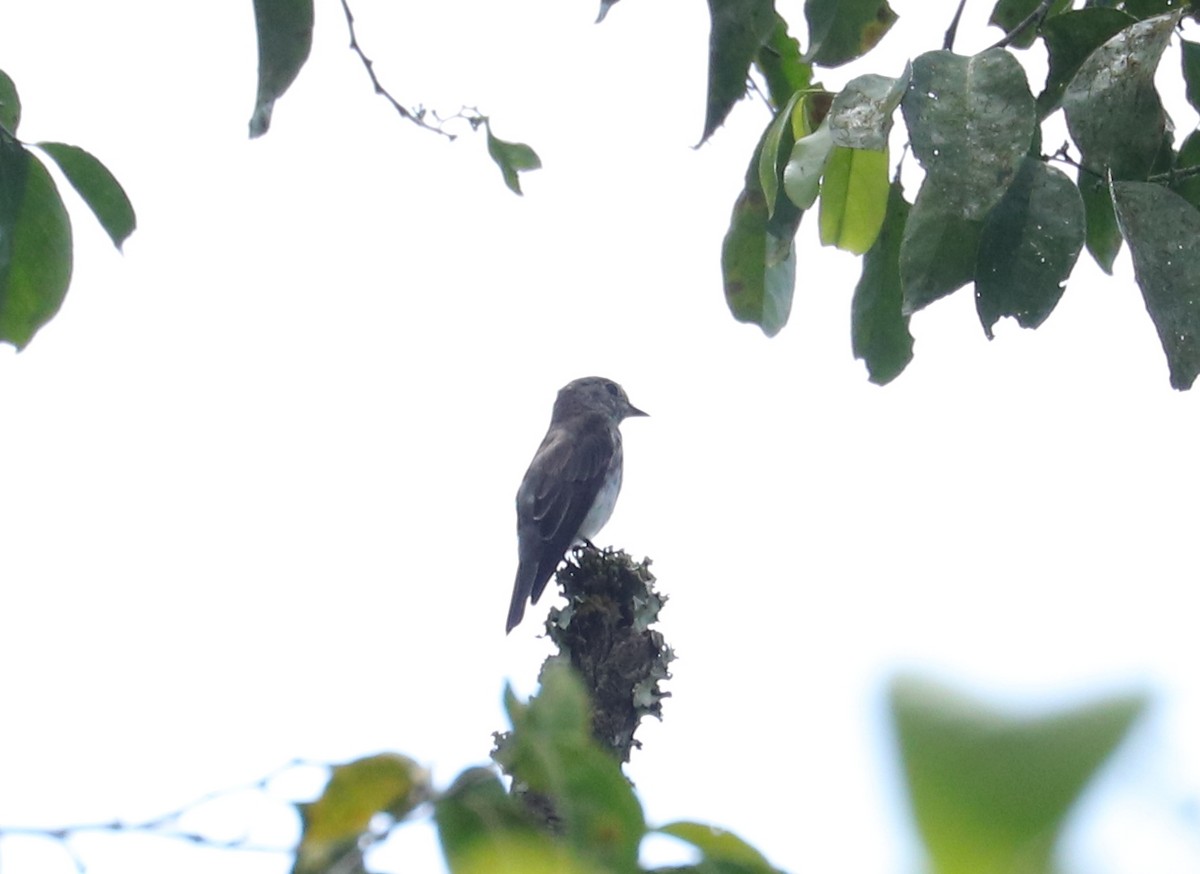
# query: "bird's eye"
613,389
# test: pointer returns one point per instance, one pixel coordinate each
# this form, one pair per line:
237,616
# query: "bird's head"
594,394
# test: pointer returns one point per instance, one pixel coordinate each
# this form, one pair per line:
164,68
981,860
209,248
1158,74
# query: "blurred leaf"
10,104
970,121
1007,14
806,164
284,40
511,158
356,793
861,115
878,328
758,256
99,189
777,142
551,751
1029,245
1148,8
484,830
853,198
739,29
718,845
989,791
35,245
1069,39
1103,235
1113,110
778,60
842,30
938,251
1162,229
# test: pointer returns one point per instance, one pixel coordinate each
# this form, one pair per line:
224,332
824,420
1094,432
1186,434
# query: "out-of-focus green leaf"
861,115
1113,110
552,752
739,29
1191,70
777,143
1007,14
1162,229
853,198
99,189
387,783
779,61
718,846
484,830
1103,235
970,121
511,158
938,251
284,39
1029,245
758,256
35,245
989,791
842,30
10,104
878,328
802,175
1069,39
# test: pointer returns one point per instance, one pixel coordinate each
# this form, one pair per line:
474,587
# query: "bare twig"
417,115
1035,17
952,30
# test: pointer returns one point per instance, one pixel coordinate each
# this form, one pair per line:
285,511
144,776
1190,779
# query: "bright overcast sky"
259,478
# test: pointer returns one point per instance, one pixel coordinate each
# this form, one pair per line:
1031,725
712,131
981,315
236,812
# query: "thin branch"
952,30
1035,17
1175,175
416,116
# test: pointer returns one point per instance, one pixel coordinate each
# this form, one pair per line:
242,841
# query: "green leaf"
989,790
718,845
853,198
284,39
778,60
938,251
1069,39
1029,245
1161,229
861,115
35,245
1148,8
1007,14
777,141
1188,187
842,30
10,104
551,751
739,29
99,189
388,784
970,121
1103,235
511,158
484,830
1113,110
1191,70
758,256
878,327
805,166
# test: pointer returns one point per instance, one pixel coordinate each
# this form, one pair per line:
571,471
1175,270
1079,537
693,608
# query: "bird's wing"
558,490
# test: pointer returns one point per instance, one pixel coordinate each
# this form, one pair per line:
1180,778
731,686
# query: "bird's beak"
631,410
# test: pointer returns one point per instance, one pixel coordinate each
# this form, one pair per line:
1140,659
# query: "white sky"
260,470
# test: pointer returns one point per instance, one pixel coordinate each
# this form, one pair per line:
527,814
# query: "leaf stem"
1036,16
952,30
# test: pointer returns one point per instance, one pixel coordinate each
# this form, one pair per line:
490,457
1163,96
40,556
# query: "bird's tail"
522,589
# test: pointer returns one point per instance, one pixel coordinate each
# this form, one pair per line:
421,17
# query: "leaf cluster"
991,210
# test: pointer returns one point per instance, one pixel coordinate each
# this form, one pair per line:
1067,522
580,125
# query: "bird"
569,491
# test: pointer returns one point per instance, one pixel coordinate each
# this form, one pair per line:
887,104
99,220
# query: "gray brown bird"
571,486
